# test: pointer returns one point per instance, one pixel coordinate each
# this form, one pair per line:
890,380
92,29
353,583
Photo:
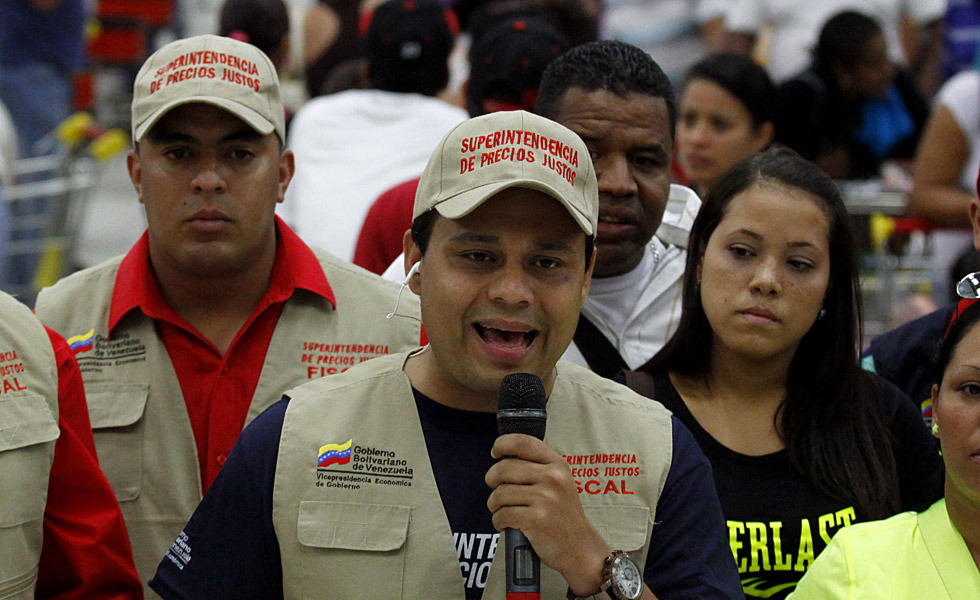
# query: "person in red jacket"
86,552
80,548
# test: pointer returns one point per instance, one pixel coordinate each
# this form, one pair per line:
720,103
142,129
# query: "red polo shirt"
380,240
218,389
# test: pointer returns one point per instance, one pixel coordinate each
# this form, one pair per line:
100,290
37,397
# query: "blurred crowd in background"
881,94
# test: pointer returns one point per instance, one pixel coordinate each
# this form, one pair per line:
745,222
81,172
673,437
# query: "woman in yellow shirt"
934,554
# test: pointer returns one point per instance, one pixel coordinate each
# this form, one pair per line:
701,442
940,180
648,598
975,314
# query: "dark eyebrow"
475,238
542,246
747,232
756,236
971,367
654,148
555,246
158,136
243,135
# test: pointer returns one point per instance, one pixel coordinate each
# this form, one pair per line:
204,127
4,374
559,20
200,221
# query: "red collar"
295,267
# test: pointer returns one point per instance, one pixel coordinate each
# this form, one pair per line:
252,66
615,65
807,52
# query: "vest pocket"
27,429
623,527
355,550
116,411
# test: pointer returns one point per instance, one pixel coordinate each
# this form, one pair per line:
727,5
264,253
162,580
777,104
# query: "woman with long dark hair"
764,371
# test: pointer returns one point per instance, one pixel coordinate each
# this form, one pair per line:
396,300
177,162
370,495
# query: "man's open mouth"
504,338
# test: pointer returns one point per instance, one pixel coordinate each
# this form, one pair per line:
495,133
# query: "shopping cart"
893,253
42,208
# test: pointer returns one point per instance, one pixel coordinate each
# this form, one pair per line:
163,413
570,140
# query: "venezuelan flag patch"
81,343
334,454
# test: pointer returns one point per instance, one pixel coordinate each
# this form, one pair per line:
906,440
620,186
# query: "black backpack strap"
602,356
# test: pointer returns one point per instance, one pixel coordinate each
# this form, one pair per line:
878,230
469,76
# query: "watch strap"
606,583
570,595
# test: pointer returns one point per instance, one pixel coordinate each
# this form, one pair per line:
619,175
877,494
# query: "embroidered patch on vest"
322,359
334,454
81,343
116,351
601,474
348,466
10,366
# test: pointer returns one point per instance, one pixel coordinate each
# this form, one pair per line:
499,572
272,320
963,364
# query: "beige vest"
142,432
375,527
28,430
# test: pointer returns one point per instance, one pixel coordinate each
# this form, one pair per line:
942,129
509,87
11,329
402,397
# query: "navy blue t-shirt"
908,356
459,443
229,548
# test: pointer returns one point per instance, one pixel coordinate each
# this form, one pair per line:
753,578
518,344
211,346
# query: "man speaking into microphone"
390,480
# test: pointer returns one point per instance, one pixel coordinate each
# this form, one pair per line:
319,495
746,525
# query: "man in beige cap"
382,482
219,307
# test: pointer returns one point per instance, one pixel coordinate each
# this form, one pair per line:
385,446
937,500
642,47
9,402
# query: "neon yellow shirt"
911,555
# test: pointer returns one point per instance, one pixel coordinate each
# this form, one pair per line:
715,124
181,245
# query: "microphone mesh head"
521,390
520,405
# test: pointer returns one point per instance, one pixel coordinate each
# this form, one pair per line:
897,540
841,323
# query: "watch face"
626,578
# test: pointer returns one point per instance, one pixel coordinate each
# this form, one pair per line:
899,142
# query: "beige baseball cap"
488,154
226,73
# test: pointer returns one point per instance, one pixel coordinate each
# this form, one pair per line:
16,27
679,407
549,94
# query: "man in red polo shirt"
219,308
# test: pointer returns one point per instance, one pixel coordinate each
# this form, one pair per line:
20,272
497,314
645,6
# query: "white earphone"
412,271
408,277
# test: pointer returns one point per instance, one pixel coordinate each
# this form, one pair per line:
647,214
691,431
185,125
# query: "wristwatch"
620,578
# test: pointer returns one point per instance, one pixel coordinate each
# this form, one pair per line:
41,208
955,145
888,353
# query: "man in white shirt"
620,102
353,145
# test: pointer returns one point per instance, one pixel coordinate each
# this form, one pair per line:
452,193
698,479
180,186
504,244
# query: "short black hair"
610,65
422,232
407,45
744,79
422,229
264,23
844,38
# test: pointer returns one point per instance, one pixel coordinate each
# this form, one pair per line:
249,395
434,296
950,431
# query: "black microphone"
520,409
